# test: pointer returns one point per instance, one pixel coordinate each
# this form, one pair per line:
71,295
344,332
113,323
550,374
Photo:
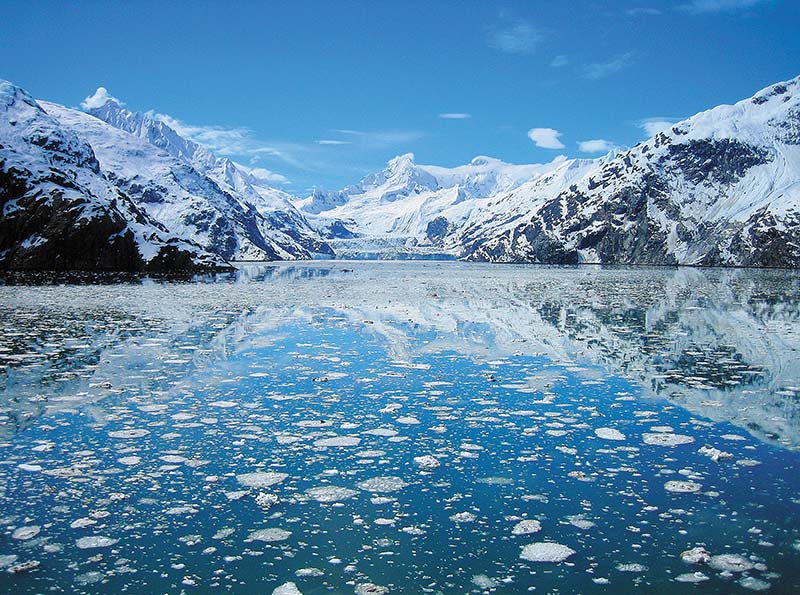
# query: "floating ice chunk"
286,589
610,434
526,527
129,461
223,533
29,467
23,533
484,582
269,535
427,462
223,404
23,567
382,484
730,563
495,481
81,523
408,420
666,439
384,432
95,541
463,517
173,459
370,589
330,493
696,555
580,522
546,552
691,577
261,479
129,434
89,578
308,572
632,567
714,453
266,501
682,487
338,441
754,584
185,509
7,560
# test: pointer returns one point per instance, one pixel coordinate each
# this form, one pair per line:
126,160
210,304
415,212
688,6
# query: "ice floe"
546,551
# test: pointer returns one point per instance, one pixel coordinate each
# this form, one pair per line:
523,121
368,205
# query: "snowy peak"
401,177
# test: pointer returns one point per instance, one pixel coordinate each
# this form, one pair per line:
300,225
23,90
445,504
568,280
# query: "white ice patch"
546,552
269,535
610,434
427,462
730,563
129,434
95,541
382,484
286,589
682,487
338,441
23,533
330,493
261,479
526,527
666,439
691,577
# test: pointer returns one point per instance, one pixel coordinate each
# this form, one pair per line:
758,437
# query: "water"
168,436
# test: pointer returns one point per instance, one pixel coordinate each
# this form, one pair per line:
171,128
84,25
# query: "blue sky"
320,93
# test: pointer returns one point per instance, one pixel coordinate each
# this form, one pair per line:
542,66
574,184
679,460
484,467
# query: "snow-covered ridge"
60,212
720,188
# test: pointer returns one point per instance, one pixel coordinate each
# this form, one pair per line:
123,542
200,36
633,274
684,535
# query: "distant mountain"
721,188
60,212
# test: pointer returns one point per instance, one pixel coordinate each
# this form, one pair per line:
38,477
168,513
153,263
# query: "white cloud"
546,138
236,141
455,116
653,126
380,138
601,70
98,99
559,61
712,6
597,145
264,175
643,11
518,38
327,141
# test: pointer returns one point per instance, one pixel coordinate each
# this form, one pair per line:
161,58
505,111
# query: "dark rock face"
437,229
66,243
722,161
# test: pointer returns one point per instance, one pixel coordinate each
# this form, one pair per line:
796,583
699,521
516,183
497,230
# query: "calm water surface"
402,428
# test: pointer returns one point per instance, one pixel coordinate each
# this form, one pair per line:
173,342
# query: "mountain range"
112,189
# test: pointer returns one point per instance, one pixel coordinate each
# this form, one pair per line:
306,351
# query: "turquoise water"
152,430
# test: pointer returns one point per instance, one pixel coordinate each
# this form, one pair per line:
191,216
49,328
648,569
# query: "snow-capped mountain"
244,219
408,209
60,212
721,188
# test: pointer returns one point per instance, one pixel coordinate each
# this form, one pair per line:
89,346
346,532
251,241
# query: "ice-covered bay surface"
402,428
